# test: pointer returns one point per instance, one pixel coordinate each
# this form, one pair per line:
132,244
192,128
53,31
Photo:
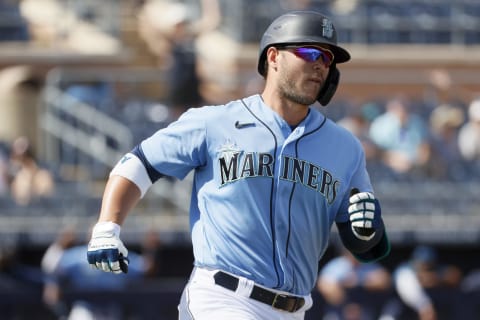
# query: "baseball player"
272,175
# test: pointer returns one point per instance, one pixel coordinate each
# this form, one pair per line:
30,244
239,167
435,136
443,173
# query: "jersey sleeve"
180,147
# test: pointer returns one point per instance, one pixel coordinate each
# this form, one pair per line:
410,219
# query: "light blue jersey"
264,197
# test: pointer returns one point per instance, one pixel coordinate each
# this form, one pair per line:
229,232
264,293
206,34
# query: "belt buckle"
275,300
297,303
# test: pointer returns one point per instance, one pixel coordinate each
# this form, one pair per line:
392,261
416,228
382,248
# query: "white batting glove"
105,249
364,211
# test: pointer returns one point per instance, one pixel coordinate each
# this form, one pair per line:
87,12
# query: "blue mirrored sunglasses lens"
313,54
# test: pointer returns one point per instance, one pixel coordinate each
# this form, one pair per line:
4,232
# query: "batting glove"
365,214
105,249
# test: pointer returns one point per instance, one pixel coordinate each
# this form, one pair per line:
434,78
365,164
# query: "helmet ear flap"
330,86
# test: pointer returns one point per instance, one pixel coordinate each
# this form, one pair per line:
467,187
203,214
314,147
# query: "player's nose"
319,65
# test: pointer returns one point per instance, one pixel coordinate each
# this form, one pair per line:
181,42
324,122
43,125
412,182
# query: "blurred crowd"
63,286
368,21
407,140
423,286
421,138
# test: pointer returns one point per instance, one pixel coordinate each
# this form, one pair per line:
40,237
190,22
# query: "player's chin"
305,96
304,99
309,97
311,92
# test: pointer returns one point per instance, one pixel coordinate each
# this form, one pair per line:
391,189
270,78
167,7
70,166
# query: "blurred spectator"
65,240
56,24
358,122
351,289
426,288
446,162
75,291
30,180
402,136
469,135
442,90
170,31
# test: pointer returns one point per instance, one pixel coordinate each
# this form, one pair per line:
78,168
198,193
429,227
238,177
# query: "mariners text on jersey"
240,165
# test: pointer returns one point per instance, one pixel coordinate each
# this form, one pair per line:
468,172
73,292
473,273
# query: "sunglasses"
312,54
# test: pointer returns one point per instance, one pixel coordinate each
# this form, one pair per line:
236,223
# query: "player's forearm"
119,198
374,249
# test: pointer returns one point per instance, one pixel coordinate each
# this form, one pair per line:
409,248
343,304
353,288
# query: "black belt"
278,301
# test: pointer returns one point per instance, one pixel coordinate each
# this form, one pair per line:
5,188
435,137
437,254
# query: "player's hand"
105,249
365,213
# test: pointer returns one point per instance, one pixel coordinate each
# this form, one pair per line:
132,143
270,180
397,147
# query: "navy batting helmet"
301,27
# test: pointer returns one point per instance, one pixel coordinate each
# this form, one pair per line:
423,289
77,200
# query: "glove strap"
106,229
362,234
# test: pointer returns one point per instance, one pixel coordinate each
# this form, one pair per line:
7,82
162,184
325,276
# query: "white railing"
92,142
100,136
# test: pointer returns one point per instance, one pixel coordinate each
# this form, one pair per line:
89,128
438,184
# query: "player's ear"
330,86
271,57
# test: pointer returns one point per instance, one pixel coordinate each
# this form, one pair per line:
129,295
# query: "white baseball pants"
202,299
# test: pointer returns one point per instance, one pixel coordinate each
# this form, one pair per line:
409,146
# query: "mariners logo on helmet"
327,30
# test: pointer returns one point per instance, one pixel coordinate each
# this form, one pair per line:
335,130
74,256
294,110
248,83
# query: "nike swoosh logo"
239,125
124,159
